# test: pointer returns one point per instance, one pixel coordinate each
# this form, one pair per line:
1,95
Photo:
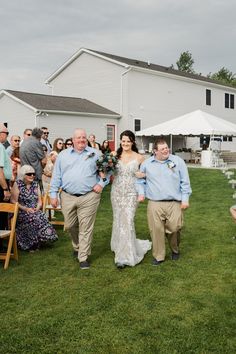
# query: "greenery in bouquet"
106,163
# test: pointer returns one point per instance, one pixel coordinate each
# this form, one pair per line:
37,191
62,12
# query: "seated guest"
105,147
33,228
58,145
68,143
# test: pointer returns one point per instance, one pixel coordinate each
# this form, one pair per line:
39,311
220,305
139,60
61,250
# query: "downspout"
37,114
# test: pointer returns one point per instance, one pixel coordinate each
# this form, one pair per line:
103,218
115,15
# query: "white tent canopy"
193,123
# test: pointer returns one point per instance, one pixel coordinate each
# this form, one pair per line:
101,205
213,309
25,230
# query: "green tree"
225,76
185,62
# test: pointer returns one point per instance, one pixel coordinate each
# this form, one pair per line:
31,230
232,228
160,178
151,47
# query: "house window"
229,101
208,97
227,138
226,100
110,132
137,125
232,101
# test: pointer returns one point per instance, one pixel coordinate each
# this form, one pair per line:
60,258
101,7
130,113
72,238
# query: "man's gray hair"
37,133
23,170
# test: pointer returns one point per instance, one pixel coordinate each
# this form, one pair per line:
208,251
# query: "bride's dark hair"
131,137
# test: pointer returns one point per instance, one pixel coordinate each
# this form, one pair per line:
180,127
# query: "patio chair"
9,235
47,208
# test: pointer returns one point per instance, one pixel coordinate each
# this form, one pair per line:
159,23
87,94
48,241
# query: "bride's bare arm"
140,174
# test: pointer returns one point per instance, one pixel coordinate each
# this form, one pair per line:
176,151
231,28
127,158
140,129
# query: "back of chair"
47,208
10,208
10,235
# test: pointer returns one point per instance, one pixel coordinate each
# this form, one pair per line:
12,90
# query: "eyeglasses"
30,174
69,144
17,141
7,133
46,133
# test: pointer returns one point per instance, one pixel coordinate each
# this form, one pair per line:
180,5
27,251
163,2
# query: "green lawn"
48,305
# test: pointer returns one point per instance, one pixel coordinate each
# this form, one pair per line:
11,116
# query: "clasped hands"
31,210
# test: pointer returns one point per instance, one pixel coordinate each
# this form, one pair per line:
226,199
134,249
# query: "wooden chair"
10,234
47,208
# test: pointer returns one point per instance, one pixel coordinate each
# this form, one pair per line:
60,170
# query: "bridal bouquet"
106,163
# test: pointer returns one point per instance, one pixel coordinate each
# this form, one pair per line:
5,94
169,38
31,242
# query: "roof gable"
46,103
133,63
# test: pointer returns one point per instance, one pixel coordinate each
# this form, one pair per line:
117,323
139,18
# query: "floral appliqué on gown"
128,250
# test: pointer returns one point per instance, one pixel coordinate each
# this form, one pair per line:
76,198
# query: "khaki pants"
79,215
164,219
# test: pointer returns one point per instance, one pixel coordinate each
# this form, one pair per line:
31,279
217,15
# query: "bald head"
79,131
79,139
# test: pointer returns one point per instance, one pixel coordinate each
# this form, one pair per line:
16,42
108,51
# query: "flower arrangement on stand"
106,163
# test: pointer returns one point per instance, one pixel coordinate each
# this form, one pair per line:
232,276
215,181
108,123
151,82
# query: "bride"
128,250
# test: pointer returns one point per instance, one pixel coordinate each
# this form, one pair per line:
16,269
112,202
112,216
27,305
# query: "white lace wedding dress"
128,250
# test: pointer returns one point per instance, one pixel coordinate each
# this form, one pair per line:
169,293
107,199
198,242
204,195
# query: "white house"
61,115
142,93
120,93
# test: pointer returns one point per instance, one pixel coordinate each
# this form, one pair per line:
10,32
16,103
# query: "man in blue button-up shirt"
167,187
75,172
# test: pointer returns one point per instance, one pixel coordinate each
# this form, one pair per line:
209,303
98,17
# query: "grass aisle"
49,306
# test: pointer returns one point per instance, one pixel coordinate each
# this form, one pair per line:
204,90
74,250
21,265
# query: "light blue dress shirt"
165,180
5,162
9,150
76,172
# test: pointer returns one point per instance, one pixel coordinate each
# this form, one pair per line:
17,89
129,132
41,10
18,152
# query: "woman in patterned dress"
33,228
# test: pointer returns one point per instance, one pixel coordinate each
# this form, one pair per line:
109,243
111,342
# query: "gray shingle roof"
60,103
155,67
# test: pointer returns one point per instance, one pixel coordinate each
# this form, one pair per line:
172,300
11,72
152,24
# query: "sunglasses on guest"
16,141
30,174
69,144
46,133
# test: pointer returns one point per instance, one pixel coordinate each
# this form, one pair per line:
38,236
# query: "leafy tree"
185,62
224,76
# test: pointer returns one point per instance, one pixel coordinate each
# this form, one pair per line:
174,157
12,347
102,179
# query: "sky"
38,36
